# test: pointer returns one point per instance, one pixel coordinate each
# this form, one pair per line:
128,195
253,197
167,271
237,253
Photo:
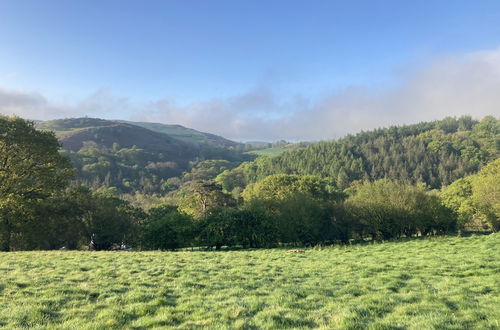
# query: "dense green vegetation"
346,280
475,199
31,170
433,283
435,153
39,209
136,157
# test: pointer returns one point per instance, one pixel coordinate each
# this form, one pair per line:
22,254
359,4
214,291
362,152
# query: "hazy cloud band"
448,86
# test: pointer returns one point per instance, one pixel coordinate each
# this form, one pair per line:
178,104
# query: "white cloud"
447,86
32,105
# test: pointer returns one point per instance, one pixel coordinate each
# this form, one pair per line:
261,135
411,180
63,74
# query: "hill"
64,126
187,134
435,153
131,157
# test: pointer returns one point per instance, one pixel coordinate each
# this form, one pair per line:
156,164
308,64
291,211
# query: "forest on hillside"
424,179
137,157
435,153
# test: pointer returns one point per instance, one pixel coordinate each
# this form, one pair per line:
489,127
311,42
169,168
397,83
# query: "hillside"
436,153
187,134
274,149
133,158
62,127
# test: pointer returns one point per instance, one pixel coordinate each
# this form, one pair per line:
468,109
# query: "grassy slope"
268,151
185,134
64,128
434,283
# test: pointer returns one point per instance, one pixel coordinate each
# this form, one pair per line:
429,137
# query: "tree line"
41,208
436,153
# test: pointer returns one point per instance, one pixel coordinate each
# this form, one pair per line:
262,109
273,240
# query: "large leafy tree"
108,220
282,186
475,199
31,169
202,196
166,228
486,193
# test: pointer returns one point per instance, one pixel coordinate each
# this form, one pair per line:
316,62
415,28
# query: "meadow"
436,282
268,151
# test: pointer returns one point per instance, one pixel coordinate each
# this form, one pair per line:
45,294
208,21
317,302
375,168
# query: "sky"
251,70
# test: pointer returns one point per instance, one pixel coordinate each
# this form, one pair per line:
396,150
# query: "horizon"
251,71
257,141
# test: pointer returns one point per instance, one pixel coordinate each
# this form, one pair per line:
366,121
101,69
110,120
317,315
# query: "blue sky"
124,58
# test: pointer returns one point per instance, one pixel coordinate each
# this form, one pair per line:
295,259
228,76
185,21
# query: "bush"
388,209
166,228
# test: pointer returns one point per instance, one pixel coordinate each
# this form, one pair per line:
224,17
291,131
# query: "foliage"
202,196
282,186
252,226
476,197
279,209
165,228
31,169
387,209
303,220
30,165
139,157
109,220
457,196
436,153
486,193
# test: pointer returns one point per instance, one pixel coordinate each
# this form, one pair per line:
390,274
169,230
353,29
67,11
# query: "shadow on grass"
352,242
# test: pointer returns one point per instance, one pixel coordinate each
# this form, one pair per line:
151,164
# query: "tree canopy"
31,169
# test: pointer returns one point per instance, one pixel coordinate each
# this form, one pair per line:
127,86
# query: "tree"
166,228
202,196
486,193
31,169
283,186
475,199
109,220
388,209
457,197
305,220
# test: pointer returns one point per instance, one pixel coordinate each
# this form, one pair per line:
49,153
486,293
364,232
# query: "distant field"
268,151
441,283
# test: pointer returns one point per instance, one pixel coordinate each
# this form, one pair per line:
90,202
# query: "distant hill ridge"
136,156
68,126
186,134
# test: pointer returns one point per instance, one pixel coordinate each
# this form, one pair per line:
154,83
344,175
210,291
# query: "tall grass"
445,283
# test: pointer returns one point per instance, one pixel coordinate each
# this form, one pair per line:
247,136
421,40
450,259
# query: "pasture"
437,282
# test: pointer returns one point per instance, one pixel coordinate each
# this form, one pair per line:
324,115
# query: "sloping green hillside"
133,158
69,125
187,134
436,153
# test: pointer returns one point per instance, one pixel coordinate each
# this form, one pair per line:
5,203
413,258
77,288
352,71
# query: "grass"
268,151
440,283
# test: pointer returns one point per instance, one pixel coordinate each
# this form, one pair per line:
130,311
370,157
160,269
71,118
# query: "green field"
268,151
439,282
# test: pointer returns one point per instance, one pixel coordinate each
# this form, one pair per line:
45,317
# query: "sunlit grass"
443,283
269,151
